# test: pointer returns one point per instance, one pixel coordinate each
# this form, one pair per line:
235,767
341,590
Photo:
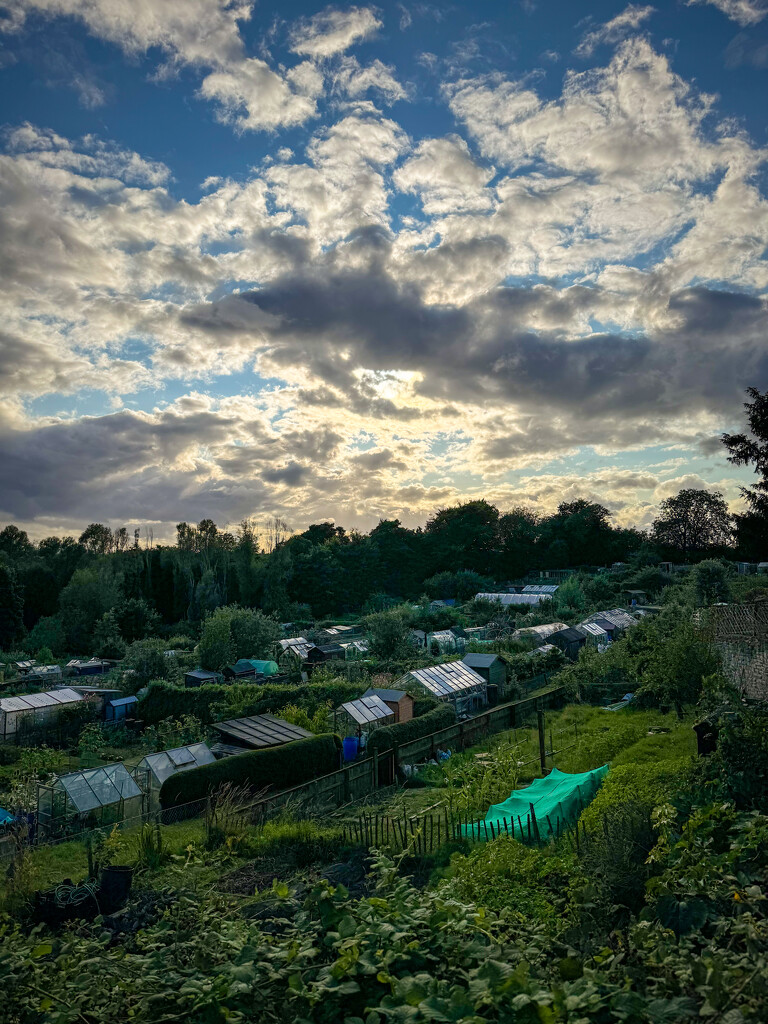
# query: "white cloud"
334,30
204,34
744,12
615,30
354,80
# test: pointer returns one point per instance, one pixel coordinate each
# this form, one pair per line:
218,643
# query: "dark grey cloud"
483,351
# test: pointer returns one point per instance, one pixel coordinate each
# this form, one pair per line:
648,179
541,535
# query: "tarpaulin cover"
557,800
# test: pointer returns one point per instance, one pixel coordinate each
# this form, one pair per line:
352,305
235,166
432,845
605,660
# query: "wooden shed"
491,667
399,702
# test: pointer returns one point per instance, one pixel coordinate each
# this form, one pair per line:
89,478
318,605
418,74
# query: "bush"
275,768
216,701
390,737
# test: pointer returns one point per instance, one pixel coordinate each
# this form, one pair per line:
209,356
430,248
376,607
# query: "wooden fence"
423,835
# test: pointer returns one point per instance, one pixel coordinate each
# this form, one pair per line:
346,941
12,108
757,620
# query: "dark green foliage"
214,702
390,737
11,608
276,768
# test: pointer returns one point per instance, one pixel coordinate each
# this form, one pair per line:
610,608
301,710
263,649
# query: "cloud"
333,31
743,12
615,30
205,35
744,50
354,80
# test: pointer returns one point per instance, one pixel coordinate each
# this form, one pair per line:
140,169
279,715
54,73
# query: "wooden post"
542,742
461,735
375,769
535,823
347,787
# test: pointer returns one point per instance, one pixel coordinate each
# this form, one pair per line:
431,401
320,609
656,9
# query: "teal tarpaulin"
540,810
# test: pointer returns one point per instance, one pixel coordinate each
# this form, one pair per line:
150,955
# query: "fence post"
347,788
542,742
375,768
461,735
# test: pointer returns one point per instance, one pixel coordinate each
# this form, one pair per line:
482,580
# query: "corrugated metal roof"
367,709
30,701
539,632
617,616
257,731
591,629
540,588
447,680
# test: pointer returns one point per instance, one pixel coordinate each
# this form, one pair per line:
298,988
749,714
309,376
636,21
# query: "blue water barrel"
350,746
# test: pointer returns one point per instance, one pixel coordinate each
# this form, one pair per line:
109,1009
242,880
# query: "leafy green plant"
151,852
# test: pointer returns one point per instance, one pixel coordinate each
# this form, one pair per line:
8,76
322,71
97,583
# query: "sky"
363,262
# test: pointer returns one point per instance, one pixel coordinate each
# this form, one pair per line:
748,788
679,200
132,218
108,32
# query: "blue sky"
361,261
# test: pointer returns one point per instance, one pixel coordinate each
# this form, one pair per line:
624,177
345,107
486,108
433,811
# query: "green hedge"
216,701
277,768
390,737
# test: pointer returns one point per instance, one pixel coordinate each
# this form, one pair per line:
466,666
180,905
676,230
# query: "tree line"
77,592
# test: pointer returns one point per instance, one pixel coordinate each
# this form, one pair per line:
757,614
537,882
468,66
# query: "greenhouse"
33,710
92,798
167,762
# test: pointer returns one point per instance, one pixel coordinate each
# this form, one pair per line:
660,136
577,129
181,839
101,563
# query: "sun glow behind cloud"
540,294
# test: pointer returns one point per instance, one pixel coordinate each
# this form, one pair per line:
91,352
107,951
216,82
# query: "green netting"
542,809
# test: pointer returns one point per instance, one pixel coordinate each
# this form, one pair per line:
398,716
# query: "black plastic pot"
115,886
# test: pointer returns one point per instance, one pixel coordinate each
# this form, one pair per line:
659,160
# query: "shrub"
505,874
277,767
390,737
213,702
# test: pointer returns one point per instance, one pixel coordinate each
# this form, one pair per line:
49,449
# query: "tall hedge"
275,768
390,737
238,699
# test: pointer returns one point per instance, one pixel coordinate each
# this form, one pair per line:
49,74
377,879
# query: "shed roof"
449,679
200,673
98,787
33,701
539,632
294,641
480,660
591,629
617,616
540,588
257,731
393,696
569,635
180,759
122,701
367,709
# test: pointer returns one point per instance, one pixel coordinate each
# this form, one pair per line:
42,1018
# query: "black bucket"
115,886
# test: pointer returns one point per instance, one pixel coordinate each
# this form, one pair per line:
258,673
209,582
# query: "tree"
147,659
83,601
135,619
465,536
216,648
389,635
693,520
746,450
97,538
47,632
14,542
11,608
107,641
709,580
